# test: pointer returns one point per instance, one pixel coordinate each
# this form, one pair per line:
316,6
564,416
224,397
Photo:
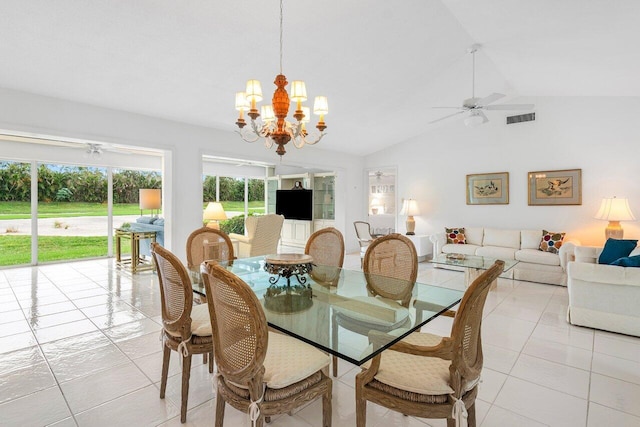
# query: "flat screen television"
295,204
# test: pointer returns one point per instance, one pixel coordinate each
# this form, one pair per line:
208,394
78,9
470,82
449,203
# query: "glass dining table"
305,307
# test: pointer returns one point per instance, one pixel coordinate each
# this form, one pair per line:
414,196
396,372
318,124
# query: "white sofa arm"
587,254
438,240
567,252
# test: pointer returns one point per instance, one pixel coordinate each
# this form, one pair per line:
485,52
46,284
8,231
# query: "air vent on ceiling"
529,117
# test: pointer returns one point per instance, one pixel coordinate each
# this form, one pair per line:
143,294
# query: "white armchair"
262,234
603,296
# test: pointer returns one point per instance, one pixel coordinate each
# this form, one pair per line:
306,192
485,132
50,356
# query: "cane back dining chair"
364,236
207,243
390,268
326,247
430,376
186,328
259,372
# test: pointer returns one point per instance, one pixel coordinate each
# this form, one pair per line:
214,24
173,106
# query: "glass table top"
471,261
332,309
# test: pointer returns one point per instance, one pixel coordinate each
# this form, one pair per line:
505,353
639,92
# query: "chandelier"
274,127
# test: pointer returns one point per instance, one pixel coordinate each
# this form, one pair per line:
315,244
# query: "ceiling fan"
475,105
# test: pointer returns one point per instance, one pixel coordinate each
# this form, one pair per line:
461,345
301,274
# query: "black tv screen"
295,204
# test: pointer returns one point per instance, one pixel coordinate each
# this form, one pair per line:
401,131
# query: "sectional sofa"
534,264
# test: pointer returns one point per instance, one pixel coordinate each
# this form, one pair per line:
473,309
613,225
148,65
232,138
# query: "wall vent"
529,117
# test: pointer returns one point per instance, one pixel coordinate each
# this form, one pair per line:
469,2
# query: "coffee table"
473,265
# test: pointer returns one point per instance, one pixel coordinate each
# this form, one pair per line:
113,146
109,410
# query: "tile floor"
79,347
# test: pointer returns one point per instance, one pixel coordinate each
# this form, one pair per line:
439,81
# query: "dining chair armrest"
442,350
428,306
240,237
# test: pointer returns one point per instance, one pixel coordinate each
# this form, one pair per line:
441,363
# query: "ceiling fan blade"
510,107
451,108
489,99
484,117
446,117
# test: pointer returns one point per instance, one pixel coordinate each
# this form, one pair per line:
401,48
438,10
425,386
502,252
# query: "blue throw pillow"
632,261
150,219
615,249
159,221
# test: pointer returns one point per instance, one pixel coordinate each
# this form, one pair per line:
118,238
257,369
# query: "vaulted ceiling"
382,64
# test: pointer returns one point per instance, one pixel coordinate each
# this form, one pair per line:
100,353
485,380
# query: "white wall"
601,136
184,146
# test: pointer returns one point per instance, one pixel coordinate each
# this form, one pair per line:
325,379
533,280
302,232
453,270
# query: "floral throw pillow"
455,236
551,241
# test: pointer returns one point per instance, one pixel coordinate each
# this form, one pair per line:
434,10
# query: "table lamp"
214,213
614,210
410,208
150,198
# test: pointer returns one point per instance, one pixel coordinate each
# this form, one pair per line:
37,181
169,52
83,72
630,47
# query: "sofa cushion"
536,256
496,252
455,235
530,239
460,249
606,274
632,261
501,238
551,241
146,220
474,235
616,248
635,252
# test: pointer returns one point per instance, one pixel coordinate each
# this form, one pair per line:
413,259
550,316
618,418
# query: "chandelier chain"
281,36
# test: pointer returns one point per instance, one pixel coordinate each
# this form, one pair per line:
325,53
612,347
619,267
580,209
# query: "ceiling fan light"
474,120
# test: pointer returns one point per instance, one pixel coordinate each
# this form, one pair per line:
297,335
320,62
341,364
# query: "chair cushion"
200,321
551,241
616,248
455,236
373,310
416,374
290,360
146,220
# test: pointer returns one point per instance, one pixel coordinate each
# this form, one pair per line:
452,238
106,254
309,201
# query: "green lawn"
17,249
22,210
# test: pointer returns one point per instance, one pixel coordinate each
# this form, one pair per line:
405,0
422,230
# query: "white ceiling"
382,64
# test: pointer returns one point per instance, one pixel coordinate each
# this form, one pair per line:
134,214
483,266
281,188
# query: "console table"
135,262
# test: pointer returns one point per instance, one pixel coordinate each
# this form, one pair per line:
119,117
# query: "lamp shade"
614,209
150,198
254,90
214,212
321,105
409,208
241,101
298,91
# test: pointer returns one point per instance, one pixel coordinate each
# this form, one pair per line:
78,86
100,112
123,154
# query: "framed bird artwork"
561,187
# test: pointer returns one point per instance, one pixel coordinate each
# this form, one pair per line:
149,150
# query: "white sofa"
534,265
603,296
